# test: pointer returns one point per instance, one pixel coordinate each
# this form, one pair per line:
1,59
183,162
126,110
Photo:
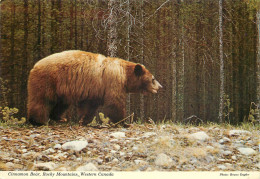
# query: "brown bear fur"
86,80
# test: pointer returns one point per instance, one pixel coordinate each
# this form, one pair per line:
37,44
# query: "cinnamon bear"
86,80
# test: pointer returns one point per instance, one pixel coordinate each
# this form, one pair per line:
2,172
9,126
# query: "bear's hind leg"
87,111
115,112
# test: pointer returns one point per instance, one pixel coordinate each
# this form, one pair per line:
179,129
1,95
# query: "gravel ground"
144,147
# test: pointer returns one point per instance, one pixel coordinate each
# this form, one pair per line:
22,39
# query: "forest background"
205,53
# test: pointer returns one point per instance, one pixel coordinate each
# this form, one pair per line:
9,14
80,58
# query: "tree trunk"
128,52
142,58
112,33
75,25
12,52
258,63
222,75
24,71
39,32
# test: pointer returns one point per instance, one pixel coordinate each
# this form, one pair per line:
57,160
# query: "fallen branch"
132,116
193,119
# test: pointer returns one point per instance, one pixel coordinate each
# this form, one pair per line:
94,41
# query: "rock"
34,135
118,135
61,155
239,132
122,153
87,167
44,166
115,160
117,147
224,140
210,148
193,160
76,145
57,146
209,158
9,165
49,151
113,151
149,134
227,152
239,144
28,155
140,162
222,167
99,161
234,157
246,151
135,148
24,150
163,160
199,136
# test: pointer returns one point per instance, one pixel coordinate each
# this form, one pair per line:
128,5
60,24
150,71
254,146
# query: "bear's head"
141,80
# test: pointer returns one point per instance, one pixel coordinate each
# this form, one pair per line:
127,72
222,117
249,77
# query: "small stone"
9,165
122,153
224,140
114,140
246,151
75,145
140,162
163,160
227,152
34,135
199,136
118,135
115,160
24,150
49,151
28,154
116,146
149,134
57,146
87,167
16,160
61,155
234,157
222,167
113,151
239,132
210,148
99,161
209,158
135,148
45,166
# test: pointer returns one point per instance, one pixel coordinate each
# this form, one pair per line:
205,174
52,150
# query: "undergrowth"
7,114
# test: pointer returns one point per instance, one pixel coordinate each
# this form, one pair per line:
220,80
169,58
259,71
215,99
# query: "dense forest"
205,53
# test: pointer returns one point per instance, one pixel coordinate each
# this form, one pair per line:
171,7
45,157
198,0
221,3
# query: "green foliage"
7,117
227,108
105,120
253,113
7,114
4,92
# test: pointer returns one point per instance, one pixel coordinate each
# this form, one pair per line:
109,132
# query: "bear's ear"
138,70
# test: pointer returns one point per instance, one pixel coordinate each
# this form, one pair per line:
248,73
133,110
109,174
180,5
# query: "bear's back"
64,57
